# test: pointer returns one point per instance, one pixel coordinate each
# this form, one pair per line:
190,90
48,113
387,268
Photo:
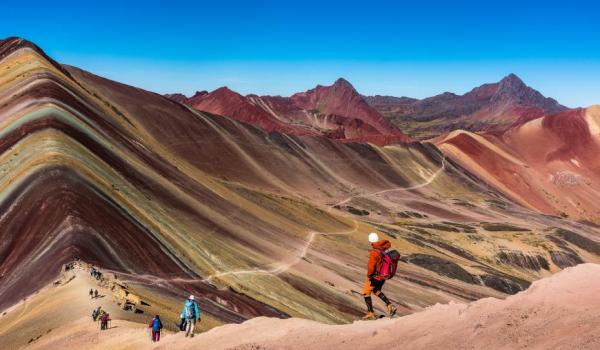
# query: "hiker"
376,277
156,326
96,293
91,293
190,314
96,313
104,321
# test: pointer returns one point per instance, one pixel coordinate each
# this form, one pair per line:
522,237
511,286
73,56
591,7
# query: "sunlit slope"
549,164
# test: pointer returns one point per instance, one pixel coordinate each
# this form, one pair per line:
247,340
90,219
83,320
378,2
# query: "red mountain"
337,111
224,101
341,99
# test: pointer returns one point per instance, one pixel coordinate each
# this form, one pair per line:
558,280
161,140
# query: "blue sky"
398,48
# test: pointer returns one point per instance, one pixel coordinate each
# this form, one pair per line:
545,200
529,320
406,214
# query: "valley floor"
558,312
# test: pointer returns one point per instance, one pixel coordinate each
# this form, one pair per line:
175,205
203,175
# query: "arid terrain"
261,206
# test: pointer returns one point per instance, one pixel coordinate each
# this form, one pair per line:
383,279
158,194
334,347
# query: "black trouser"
374,286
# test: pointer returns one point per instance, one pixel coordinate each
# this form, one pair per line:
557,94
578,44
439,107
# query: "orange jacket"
375,257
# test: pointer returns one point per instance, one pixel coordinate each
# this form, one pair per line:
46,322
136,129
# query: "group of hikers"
381,266
189,316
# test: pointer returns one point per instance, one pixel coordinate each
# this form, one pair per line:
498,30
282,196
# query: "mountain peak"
512,77
223,93
223,89
343,83
13,43
200,93
512,80
512,90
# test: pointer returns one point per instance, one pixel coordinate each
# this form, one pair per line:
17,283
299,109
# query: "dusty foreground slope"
558,312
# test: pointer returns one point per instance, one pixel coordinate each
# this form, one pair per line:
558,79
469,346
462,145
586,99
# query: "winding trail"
414,187
281,267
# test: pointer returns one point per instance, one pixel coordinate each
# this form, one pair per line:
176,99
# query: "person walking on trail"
156,326
96,293
382,266
96,313
191,314
91,293
104,319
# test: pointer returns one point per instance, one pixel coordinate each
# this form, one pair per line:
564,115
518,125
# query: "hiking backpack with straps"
389,264
190,310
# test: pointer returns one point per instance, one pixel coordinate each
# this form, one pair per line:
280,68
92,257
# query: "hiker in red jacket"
372,283
104,319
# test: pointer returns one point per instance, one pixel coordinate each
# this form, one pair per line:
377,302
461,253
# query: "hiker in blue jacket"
156,326
190,314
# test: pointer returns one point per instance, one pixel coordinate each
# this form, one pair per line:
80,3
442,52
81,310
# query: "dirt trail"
282,267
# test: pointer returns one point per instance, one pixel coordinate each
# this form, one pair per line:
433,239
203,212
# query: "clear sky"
411,48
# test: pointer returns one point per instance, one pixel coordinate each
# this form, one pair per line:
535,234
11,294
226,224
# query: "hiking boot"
192,335
187,335
391,309
370,316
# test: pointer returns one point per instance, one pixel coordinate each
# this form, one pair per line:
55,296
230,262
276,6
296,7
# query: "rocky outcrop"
579,240
498,226
564,259
503,284
520,259
441,266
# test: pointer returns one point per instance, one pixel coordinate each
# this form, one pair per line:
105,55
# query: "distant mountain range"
340,112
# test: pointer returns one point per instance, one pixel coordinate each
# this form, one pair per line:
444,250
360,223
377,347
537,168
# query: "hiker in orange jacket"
372,284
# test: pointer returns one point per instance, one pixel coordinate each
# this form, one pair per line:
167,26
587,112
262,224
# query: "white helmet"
373,237
191,297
